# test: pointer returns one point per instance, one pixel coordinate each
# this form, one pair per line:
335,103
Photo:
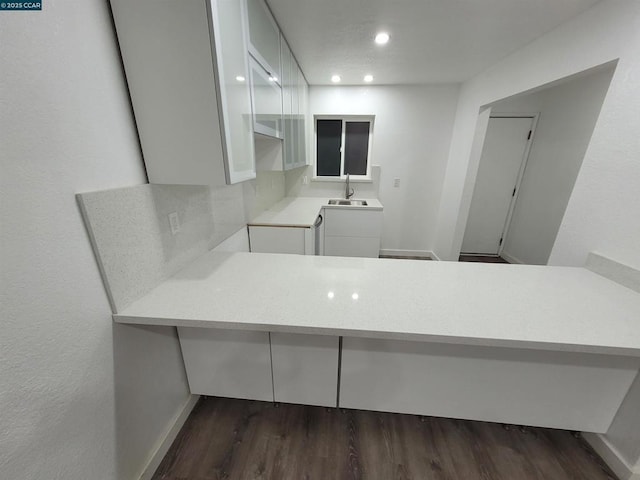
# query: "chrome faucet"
348,192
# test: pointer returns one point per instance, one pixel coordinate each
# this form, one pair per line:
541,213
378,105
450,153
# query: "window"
343,146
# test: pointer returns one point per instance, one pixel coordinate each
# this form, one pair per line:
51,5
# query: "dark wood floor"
481,258
404,257
239,439
462,258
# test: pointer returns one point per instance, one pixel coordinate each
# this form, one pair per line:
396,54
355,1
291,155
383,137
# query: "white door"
503,155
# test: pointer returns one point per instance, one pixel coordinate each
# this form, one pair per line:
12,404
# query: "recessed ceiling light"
335,78
368,78
240,78
382,38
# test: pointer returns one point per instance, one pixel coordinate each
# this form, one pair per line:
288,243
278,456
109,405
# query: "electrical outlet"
396,182
305,180
174,222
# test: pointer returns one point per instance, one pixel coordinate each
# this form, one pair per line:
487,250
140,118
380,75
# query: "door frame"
523,165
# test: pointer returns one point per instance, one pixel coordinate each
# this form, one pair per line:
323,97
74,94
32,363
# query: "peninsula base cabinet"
305,368
281,367
572,391
227,363
566,390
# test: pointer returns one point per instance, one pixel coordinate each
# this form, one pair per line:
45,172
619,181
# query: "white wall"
605,195
568,113
80,397
624,434
411,137
603,209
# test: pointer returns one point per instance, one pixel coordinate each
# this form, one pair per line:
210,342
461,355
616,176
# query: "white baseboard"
408,253
511,258
168,438
612,457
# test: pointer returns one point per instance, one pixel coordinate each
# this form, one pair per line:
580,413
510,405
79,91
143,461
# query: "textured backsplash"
132,239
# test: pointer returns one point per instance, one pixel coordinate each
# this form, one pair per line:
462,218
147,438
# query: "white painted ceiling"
432,41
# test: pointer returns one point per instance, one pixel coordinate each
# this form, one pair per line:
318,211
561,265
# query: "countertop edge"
382,335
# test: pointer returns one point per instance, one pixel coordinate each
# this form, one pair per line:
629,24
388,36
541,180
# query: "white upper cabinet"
288,157
267,102
187,69
294,105
303,124
230,41
264,38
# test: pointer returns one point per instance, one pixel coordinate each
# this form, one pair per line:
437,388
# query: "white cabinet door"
288,61
572,391
353,222
267,102
303,93
352,246
264,37
193,115
227,363
352,232
305,368
278,239
230,34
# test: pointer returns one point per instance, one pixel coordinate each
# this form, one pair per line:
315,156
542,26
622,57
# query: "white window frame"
345,118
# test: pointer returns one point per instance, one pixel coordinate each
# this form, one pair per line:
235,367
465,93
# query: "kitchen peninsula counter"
519,306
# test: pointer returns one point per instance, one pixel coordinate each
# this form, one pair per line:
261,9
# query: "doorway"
502,163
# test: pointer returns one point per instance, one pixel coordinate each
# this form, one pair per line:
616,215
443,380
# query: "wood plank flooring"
462,258
241,439
481,259
404,257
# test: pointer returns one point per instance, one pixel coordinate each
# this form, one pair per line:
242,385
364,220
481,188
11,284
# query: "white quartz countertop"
303,211
519,306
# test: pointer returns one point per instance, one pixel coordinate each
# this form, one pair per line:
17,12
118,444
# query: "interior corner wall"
604,199
81,397
603,208
412,132
623,432
568,114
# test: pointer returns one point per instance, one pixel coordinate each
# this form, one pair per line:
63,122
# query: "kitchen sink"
341,201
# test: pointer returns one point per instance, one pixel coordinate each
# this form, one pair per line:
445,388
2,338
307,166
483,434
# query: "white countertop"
303,211
520,306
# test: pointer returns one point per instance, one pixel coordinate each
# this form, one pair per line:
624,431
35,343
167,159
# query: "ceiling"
432,41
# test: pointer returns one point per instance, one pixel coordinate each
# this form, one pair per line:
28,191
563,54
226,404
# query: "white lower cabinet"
227,363
296,368
572,391
297,240
305,368
352,232
351,246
